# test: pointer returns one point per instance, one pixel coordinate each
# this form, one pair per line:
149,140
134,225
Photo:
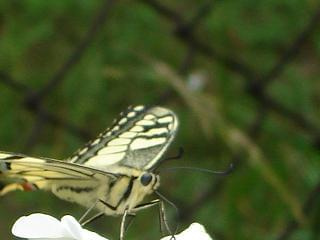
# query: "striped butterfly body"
112,173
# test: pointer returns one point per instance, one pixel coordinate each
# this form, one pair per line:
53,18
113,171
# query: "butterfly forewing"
137,139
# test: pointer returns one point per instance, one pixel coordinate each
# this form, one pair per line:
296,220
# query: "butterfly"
111,174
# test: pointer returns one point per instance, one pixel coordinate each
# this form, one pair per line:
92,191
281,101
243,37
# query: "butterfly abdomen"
74,192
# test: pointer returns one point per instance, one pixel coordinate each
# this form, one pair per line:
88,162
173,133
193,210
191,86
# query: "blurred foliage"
136,58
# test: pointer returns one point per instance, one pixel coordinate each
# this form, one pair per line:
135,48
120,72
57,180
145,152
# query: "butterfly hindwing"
137,139
41,173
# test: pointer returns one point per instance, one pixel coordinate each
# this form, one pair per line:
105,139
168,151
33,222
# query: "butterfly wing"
29,173
137,139
106,169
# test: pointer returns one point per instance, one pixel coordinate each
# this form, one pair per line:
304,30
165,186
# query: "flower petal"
75,229
39,225
91,235
194,231
72,226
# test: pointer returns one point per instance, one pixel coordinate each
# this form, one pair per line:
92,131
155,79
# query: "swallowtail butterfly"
112,173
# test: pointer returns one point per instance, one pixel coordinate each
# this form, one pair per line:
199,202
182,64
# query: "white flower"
44,227
40,226
194,231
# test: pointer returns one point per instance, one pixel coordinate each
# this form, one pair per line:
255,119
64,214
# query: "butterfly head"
149,180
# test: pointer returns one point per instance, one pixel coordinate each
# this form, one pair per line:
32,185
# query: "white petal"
76,231
39,225
91,235
72,226
194,231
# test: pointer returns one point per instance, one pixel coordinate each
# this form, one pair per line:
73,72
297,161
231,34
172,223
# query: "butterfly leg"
98,215
81,220
162,216
163,221
122,226
125,224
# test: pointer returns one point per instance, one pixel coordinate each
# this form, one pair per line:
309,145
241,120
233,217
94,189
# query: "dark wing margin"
29,173
138,139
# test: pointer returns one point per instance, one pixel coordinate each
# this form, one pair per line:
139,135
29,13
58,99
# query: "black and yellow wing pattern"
137,139
115,168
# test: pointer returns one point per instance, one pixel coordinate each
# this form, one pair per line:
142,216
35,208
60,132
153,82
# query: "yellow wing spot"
116,128
103,160
149,117
112,149
96,142
141,143
123,121
74,158
131,114
145,123
4,155
128,135
138,108
31,160
136,129
83,151
119,141
154,131
107,134
167,119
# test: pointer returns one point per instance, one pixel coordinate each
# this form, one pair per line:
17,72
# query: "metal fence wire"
186,29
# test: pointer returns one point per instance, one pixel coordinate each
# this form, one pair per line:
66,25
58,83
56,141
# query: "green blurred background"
242,76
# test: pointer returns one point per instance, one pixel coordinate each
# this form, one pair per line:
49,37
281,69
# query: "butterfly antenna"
177,156
204,170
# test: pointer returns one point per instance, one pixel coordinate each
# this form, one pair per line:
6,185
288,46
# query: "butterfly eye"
146,179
